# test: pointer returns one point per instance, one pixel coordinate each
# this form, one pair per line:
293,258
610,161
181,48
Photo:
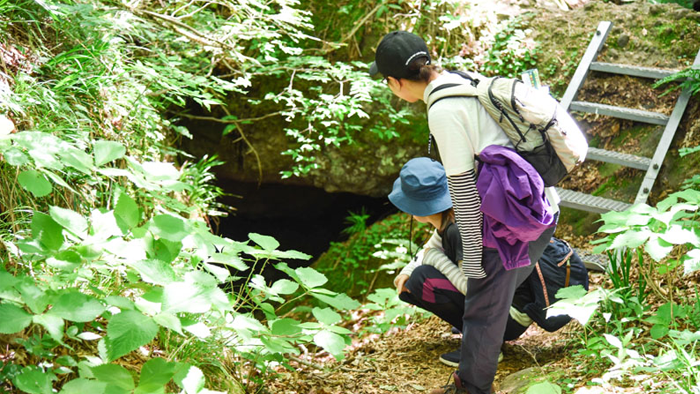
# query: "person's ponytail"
421,71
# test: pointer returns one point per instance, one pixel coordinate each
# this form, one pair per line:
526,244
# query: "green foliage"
689,79
512,52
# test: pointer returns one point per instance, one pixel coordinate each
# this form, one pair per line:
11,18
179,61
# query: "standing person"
462,130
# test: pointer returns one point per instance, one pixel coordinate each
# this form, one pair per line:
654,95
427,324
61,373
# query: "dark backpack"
541,130
560,266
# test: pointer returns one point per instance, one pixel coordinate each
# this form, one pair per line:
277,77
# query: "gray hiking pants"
486,308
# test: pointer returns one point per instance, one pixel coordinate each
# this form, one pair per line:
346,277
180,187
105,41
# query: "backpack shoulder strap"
467,89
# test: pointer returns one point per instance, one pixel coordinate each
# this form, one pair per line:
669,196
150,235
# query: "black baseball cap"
395,52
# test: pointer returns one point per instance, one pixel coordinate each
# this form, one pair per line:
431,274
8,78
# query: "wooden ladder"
591,203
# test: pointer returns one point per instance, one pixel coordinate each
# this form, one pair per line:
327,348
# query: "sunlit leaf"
76,158
285,327
657,248
544,388
52,323
631,239
126,212
266,242
33,381
127,331
340,301
169,227
47,231
331,342
169,321
284,286
107,151
155,271
310,277
117,378
14,319
155,374
35,183
326,315
77,307
678,235
83,386
691,261
70,220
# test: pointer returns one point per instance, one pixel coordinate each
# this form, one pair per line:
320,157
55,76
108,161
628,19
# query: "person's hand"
401,284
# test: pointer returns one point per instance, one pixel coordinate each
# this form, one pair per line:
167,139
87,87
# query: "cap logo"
410,59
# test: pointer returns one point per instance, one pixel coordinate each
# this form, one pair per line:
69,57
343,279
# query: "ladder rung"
593,261
635,71
636,115
625,159
587,202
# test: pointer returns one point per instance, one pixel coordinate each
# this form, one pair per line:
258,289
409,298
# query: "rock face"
657,35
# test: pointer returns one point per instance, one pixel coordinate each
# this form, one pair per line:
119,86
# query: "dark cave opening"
301,218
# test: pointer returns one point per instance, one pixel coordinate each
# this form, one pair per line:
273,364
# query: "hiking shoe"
452,358
451,388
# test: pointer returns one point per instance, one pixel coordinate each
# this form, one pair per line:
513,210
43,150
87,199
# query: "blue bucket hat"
421,189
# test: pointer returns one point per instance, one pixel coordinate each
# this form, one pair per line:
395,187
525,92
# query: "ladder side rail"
665,142
597,42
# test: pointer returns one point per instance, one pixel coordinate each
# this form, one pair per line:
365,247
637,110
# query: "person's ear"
392,80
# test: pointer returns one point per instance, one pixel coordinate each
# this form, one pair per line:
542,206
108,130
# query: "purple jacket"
513,202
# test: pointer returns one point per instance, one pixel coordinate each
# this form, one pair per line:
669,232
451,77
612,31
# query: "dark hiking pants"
486,311
432,291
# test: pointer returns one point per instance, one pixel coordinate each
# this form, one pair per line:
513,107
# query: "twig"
227,121
361,22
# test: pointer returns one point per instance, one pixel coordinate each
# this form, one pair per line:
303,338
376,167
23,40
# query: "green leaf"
52,323
326,316
691,261
126,212
35,183
284,286
122,303
35,298
66,260
196,294
631,239
127,331
169,227
34,381
117,378
14,319
107,151
571,292
70,220
83,386
657,248
77,159
331,342
285,327
544,388
155,271
155,374
47,231
678,235
169,321
310,277
77,307
266,242
658,331
192,380
341,301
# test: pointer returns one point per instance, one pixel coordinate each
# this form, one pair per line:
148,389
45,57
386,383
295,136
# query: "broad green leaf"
76,158
33,381
155,271
35,183
14,319
127,331
15,157
104,225
155,374
678,235
67,361
284,286
571,292
66,260
221,274
331,342
631,239
197,294
70,220
7,280
341,301
544,388
83,386
78,307
193,381
266,242
165,250
691,261
47,231
117,378
52,323
126,212
657,248
159,171
35,298
658,331
310,277
107,151
89,336
169,321
229,260
122,303
200,330
613,340
285,327
169,227
326,316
